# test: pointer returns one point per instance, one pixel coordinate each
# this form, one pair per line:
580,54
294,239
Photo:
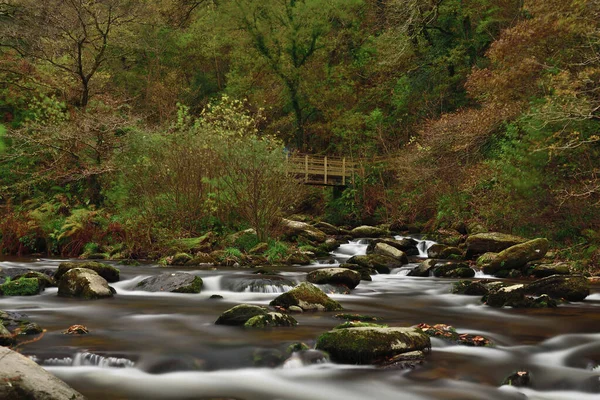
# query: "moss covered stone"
379,262
83,283
108,272
308,297
179,259
176,282
271,320
390,251
357,317
240,314
571,288
341,276
517,256
453,270
359,324
366,231
45,280
470,288
371,345
443,251
21,287
482,243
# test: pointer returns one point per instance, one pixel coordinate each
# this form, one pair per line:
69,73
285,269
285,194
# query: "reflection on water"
172,350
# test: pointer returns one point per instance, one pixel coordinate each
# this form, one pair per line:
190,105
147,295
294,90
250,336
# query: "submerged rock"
108,272
518,379
517,256
305,357
448,333
371,345
308,297
341,276
177,282
470,288
270,320
83,283
240,314
494,242
22,378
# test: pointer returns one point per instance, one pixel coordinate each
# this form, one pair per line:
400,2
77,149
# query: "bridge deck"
322,170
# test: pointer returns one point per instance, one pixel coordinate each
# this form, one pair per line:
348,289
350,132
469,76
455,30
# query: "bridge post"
325,172
306,168
344,171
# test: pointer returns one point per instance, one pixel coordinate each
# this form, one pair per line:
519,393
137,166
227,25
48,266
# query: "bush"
277,251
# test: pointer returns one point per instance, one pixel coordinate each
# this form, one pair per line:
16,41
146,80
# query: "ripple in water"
86,359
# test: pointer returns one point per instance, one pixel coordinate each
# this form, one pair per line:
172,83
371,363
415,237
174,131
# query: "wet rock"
308,297
22,378
366,231
443,251
271,320
424,269
335,276
448,333
76,330
6,338
295,229
518,379
215,297
365,272
545,270
176,282
571,288
390,251
297,258
495,242
382,264
304,357
295,309
371,345
513,295
18,324
21,287
406,245
470,288
409,360
240,314
108,272
257,283
359,324
453,270
328,228
83,283
270,358
517,256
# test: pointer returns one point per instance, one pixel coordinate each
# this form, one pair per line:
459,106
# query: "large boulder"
366,231
443,251
108,272
44,279
517,256
545,270
328,228
453,270
365,272
22,379
308,297
494,242
271,320
295,229
369,345
240,314
335,276
382,264
390,251
469,288
571,288
176,282
424,269
83,283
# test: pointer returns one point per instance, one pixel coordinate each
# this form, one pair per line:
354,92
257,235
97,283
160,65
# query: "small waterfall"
257,284
352,248
87,359
422,245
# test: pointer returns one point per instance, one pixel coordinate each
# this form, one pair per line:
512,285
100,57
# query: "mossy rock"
259,248
485,259
406,245
424,269
271,320
470,288
366,231
83,283
359,324
240,314
453,270
517,256
382,264
449,334
513,295
294,230
494,242
365,272
545,270
179,259
21,287
443,251
177,282
45,280
199,259
571,288
297,258
390,251
371,345
308,297
108,272
341,276
357,317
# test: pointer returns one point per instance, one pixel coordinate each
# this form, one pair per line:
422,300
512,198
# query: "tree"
73,37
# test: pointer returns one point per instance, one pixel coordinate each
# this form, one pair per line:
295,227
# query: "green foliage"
21,287
277,251
246,242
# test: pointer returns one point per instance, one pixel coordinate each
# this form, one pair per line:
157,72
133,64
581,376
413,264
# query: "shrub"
277,251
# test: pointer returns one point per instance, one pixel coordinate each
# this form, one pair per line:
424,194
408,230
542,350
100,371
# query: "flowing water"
166,346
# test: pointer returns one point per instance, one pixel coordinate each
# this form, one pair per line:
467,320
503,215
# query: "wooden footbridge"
322,170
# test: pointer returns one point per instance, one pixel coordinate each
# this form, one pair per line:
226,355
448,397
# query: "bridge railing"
322,170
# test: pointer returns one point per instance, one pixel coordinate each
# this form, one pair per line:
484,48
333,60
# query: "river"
166,346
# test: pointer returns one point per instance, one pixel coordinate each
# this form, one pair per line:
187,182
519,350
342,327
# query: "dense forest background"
129,123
